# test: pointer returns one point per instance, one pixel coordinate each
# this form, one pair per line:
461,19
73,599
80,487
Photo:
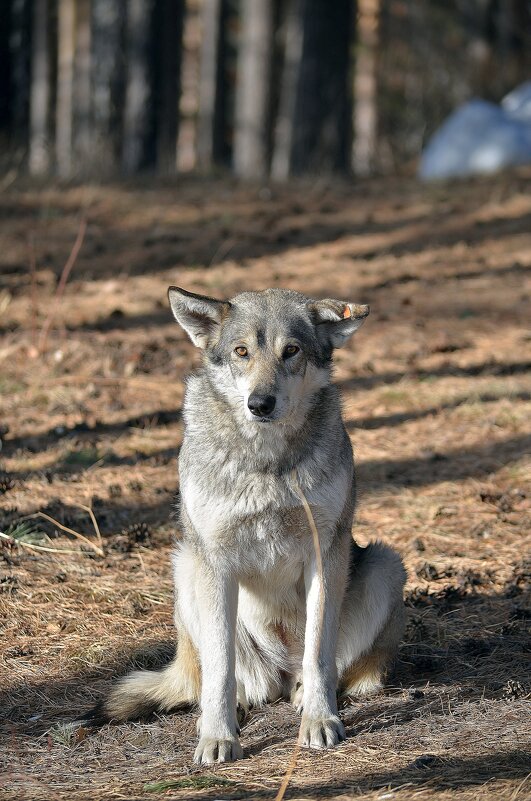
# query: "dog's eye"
290,350
241,351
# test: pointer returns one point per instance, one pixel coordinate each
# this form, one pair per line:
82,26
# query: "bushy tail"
144,692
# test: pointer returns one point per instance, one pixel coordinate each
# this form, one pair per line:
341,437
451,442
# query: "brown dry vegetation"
437,400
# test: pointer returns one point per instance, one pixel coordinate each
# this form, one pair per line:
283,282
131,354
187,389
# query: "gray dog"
258,615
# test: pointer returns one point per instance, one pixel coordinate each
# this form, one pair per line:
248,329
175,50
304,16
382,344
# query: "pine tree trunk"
20,73
137,91
82,87
39,148
5,73
65,86
107,82
211,117
365,87
522,37
169,51
313,132
253,89
281,161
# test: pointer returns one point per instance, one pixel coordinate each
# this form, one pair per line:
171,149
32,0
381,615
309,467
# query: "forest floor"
437,393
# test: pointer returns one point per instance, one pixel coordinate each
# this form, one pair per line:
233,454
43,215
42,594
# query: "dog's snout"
261,405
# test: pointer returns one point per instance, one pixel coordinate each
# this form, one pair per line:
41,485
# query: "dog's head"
267,352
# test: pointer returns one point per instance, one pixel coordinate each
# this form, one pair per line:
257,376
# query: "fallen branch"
33,281
67,269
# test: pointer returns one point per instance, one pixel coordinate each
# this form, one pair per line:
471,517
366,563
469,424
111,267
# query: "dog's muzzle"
261,405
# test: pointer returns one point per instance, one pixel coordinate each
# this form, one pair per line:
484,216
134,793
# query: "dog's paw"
211,750
321,732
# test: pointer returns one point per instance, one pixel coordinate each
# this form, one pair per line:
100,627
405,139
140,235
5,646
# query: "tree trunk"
253,89
5,74
211,117
39,147
65,86
20,73
189,90
313,132
107,82
169,31
365,87
82,87
281,162
137,91
522,38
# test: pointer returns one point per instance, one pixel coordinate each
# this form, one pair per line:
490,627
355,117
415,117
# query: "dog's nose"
261,405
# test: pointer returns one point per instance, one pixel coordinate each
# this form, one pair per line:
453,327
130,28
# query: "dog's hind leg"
372,619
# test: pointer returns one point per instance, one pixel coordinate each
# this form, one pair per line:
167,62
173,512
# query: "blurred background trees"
262,87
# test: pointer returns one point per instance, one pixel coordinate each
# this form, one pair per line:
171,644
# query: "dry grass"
437,400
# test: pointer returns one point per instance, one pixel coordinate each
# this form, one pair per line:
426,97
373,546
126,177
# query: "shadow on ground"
437,772
253,230
469,642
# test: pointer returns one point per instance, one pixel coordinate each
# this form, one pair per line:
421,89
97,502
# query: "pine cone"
137,532
6,483
513,689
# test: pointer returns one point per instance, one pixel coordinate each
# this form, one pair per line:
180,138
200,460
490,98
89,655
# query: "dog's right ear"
199,315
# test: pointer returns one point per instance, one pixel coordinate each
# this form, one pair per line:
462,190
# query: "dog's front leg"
217,607
320,725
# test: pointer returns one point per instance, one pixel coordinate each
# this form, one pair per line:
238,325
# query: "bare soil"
436,392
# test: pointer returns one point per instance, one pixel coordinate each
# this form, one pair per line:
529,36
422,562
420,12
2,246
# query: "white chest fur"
247,514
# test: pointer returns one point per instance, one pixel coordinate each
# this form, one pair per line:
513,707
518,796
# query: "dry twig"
67,269
34,547
33,281
97,548
94,522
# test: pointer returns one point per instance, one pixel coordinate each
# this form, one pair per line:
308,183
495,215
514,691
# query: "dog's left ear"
199,315
336,321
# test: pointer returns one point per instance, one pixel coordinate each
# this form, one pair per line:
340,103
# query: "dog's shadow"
458,639
460,646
